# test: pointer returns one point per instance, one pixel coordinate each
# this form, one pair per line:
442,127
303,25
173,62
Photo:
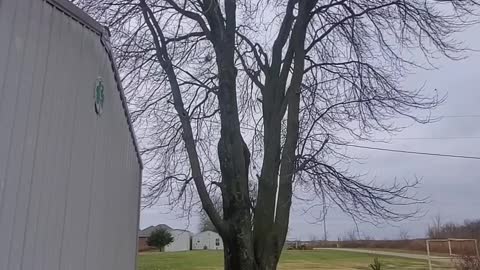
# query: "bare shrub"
467,263
403,234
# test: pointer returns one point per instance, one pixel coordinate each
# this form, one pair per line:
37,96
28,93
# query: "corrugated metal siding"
207,239
181,241
69,179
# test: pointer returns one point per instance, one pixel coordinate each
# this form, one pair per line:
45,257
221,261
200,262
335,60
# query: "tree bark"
233,153
239,257
238,250
272,212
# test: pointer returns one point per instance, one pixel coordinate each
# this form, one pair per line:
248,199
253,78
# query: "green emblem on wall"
99,95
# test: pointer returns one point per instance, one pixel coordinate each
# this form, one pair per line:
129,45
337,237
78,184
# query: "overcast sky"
452,184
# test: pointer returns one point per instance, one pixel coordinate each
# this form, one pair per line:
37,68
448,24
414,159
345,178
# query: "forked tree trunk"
268,261
238,254
246,246
242,258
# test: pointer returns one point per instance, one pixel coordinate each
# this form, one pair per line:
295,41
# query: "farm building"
181,238
69,166
207,240
145,233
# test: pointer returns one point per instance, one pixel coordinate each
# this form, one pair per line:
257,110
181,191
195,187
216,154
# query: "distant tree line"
469,229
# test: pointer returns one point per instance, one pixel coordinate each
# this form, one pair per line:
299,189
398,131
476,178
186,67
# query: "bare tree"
255,100
351,235
403,234
205,223
435,228
470,229
367,237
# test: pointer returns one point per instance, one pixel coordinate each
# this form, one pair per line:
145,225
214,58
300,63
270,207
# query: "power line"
444,116
460,116
436,138
413,152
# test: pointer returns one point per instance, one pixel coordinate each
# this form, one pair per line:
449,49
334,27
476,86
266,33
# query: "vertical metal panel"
10,130
26,110
122,187
33,232
137,223
7,15
99,219
70,44
69,179
52,170
78,198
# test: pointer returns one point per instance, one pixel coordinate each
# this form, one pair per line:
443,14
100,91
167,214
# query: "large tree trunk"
238,251
238,256
237,239
269,259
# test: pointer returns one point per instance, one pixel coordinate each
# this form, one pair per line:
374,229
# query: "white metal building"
207,240
69,166
181,241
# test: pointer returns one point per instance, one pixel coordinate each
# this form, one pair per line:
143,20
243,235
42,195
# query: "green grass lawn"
291,260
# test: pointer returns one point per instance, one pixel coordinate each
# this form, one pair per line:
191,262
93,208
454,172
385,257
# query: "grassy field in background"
291,260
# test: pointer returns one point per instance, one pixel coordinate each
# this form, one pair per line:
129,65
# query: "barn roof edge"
76,13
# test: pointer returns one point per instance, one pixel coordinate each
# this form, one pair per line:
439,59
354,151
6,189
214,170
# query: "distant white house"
207,240
181,241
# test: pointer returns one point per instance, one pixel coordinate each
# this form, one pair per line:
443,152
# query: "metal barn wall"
69,179
207,240
181,241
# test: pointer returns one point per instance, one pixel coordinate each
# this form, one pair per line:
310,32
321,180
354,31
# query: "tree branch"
164,59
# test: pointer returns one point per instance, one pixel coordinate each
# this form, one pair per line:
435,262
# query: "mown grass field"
291,260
